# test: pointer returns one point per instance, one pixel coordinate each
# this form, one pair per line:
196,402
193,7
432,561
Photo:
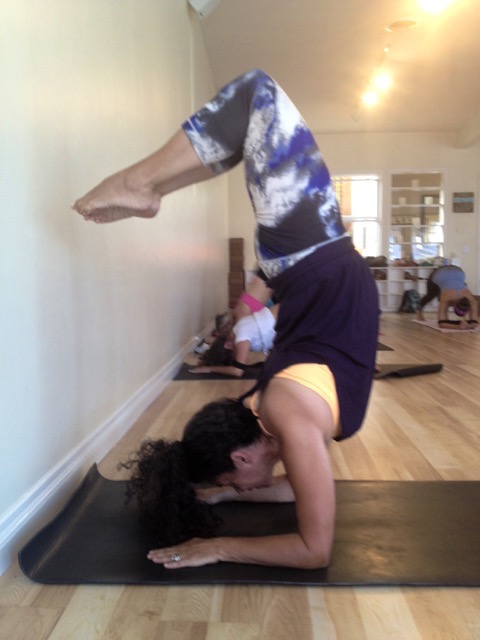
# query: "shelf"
416,216
434,205
409,244
417,189
397,280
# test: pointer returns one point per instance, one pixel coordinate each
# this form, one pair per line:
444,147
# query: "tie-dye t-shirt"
296,210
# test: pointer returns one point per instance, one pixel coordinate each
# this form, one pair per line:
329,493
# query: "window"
358,197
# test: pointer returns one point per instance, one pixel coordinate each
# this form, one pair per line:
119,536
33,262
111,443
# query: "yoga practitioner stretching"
228,354
448,284
315,384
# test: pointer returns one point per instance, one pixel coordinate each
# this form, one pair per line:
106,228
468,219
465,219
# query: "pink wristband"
252,303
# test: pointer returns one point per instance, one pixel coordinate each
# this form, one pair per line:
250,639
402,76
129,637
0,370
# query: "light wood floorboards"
419,428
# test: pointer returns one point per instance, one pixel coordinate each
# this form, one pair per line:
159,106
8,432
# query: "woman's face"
253,467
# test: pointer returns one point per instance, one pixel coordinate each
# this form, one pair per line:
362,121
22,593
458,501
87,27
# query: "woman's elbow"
317,561
317,558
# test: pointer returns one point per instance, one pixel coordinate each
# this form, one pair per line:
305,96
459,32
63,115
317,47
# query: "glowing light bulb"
382,81
434,6
370,98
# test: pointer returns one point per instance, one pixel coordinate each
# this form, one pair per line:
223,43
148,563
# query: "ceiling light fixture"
382,81
434,6
370,98
379,82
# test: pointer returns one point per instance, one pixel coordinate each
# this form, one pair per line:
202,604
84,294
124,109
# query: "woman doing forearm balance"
315,384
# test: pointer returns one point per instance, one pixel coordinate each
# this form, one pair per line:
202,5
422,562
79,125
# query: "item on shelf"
410,276
376,261
404,262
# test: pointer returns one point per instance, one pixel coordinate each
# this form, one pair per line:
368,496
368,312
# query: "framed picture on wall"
463,202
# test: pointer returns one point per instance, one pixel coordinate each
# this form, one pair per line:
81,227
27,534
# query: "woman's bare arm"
280,491
241,351
303,424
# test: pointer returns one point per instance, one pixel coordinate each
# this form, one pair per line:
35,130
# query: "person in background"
257,296
448,285
229,353
254,299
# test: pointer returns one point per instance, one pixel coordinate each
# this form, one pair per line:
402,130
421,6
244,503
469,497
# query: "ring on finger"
176,557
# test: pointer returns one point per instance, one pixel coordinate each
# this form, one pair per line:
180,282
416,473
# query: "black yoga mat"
405,370
251,373
387,533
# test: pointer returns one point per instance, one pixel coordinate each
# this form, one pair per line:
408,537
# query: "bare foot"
117,198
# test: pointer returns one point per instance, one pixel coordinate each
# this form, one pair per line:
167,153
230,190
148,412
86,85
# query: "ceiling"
325,52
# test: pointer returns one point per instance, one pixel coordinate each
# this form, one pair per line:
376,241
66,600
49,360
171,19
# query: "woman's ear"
240,458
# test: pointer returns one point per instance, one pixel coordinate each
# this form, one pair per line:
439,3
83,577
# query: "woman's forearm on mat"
288,550
279,491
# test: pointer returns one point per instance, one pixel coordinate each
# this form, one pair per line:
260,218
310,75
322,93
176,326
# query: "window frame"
350,220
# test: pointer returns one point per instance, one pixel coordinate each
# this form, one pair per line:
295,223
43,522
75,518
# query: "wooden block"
235,245
236,278
236,263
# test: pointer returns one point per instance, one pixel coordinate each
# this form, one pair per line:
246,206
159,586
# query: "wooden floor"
419,428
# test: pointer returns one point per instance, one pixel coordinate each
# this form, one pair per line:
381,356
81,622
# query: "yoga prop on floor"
433,324
387,533
405,370
251,373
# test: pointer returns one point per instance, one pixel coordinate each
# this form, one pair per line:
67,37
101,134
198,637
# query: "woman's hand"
223,370
193,553
200,370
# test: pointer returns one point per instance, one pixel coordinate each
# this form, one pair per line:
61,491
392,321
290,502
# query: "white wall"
386,154
93,318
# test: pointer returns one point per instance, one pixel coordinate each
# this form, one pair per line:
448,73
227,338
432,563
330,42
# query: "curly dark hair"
164,473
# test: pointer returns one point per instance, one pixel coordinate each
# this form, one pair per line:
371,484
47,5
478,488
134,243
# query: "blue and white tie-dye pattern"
288,182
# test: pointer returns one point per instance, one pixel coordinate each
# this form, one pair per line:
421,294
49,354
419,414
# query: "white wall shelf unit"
392,282
417,217
415,238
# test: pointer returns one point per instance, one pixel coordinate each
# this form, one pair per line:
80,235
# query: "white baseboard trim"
40,504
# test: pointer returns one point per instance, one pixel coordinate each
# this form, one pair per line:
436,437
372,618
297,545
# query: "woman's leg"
137,190
433,291
251,119
209,143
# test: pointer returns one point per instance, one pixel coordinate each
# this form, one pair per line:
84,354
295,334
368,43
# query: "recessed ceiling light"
382,81
434,6
399,25
370,98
